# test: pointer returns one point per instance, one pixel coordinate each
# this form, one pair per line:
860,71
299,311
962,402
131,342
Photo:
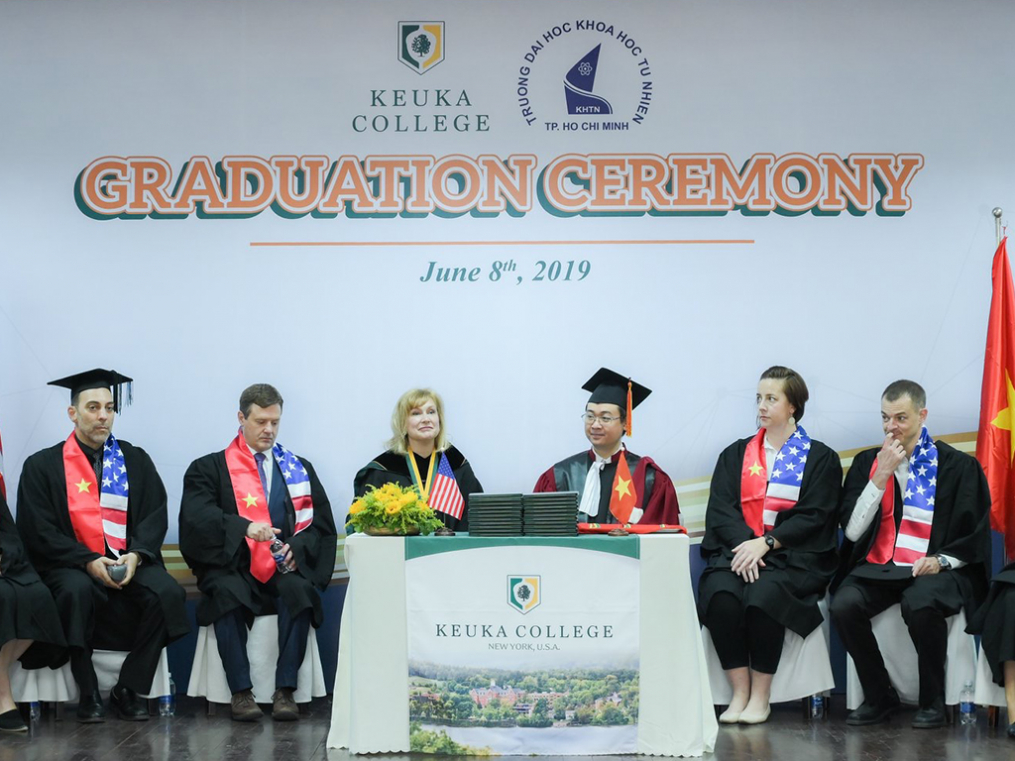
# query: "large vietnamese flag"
995,444
3,484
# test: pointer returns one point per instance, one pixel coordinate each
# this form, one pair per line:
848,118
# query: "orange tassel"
629,408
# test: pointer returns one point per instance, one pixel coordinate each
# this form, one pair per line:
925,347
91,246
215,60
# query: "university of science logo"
578,86
576,49
523,593
421,44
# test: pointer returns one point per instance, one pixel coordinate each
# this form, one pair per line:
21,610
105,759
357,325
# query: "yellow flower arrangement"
392,508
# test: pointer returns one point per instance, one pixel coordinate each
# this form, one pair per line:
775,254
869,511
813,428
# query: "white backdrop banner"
349,199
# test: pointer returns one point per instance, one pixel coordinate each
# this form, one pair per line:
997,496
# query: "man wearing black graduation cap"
608,473
89,509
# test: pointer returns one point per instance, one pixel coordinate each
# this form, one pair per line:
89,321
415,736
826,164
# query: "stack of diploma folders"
550,514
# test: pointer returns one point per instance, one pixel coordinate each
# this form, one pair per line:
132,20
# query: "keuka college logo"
523,593
421,44
578,87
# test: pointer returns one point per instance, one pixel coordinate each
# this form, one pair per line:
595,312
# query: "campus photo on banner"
515,651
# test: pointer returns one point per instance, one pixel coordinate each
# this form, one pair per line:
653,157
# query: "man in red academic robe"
608,473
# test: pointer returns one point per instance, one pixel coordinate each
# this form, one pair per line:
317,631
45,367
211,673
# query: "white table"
371,699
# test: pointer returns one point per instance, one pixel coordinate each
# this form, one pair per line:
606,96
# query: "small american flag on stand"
445,496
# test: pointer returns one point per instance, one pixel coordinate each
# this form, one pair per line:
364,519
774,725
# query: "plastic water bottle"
34,710
279,554
967,706
817,706
167,703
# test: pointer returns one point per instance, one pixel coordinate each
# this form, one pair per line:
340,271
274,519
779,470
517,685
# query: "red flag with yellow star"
623,499
995,444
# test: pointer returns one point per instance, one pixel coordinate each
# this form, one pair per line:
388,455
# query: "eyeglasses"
589,418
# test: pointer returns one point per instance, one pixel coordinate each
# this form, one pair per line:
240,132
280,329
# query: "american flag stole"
98,512
763,498
297,481
918,496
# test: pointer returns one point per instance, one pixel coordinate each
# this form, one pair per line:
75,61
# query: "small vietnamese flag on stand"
624,498
995,443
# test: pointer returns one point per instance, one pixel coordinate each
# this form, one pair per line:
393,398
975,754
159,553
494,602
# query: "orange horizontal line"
354,243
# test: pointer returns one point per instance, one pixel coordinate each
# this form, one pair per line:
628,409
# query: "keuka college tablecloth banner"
523,654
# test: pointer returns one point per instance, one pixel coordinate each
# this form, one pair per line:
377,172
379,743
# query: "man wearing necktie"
235,502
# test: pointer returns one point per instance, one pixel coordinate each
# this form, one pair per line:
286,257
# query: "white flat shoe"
755,718
729,716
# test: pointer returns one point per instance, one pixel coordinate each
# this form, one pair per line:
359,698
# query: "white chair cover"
804,669
208,675
899,653
58,685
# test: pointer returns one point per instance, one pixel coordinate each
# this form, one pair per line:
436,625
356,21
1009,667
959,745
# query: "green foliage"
422,741
443,694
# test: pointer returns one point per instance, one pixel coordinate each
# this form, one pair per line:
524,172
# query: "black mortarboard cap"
100,378
609,387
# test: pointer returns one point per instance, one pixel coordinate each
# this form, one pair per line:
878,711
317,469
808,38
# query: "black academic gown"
212,540
995,623
27,610
391,467
46,529
960,529
794,577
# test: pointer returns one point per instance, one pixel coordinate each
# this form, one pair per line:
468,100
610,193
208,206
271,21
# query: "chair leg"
58,710
211,707
993,716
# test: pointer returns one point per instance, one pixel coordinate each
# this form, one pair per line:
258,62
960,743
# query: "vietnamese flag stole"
251,503
995,443
98,510
623,497
763,498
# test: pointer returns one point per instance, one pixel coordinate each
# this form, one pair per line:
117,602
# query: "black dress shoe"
930,717
128,705
1011,730
90,708
11,721
871,712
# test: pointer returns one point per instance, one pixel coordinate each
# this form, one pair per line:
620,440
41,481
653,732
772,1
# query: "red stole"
251,502
754,484
762,500
883,548
83,497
